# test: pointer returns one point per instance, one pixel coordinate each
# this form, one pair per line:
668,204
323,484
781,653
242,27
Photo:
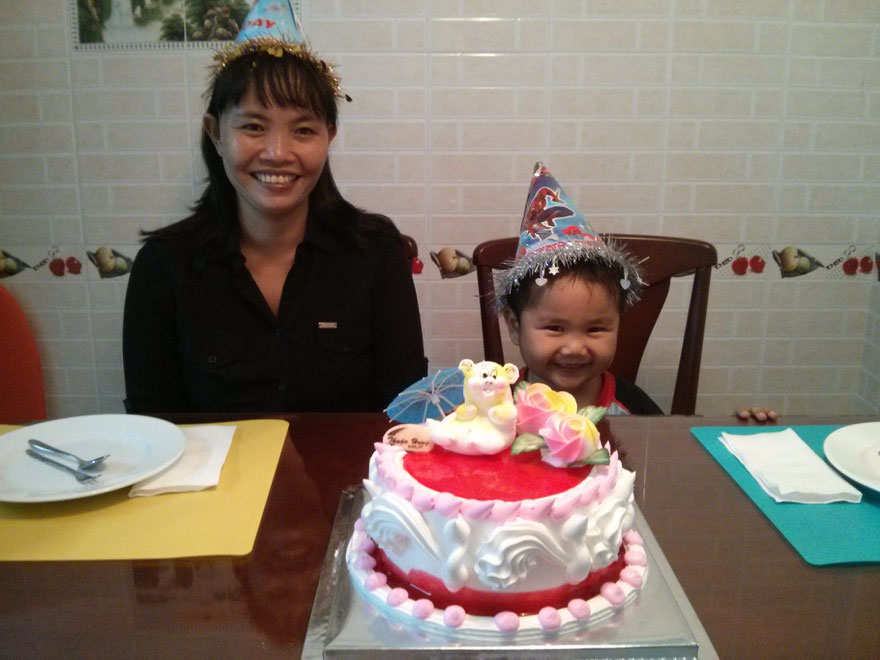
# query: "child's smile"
567,335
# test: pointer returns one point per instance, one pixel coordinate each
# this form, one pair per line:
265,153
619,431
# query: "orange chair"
662,258
22,398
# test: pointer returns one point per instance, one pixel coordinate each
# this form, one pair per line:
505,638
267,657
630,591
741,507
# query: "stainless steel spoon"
83,464
80,476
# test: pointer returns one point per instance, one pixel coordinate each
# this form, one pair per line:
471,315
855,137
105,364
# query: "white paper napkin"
787,469
199,466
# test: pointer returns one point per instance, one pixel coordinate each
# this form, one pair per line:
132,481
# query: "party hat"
272,27
274,19
554,236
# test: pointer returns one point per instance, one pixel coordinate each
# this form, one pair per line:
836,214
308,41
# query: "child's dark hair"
587,271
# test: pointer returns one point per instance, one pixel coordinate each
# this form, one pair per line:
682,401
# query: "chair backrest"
22,398
664,258
410,247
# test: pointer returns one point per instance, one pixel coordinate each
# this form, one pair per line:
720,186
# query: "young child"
562,300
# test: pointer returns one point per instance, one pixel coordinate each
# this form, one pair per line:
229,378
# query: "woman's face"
272,155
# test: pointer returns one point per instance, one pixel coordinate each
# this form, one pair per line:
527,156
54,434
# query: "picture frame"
100,25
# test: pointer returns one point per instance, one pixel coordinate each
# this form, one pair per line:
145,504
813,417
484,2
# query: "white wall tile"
483,34
472,102
146,135
334,36
734,121
31,138
384,136
594,35
714,36
831,40
22,200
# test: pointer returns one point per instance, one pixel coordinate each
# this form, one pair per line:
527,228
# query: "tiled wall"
753,124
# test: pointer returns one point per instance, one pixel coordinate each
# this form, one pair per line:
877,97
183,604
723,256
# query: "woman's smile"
273,156
274,179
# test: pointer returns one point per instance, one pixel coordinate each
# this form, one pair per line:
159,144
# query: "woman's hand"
757,413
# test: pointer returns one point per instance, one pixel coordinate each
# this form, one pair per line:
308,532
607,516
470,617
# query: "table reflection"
279,580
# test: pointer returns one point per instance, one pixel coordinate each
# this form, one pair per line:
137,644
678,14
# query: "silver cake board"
660,623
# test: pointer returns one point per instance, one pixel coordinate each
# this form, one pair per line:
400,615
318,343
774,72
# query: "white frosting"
513,550
394,527
497,546
541,544
420,614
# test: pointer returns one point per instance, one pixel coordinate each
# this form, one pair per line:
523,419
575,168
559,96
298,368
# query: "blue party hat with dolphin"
554,236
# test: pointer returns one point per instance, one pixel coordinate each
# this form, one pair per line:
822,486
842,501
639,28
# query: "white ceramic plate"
855,451
139,447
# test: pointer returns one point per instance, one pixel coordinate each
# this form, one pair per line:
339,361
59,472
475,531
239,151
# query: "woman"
276,294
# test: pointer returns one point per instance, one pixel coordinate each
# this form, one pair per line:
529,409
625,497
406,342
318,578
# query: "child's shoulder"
634,398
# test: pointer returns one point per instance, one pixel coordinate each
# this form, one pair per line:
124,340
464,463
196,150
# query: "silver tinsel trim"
538,263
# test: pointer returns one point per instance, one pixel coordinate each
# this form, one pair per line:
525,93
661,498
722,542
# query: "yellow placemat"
218,521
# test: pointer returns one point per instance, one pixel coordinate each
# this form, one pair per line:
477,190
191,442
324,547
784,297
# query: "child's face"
567,335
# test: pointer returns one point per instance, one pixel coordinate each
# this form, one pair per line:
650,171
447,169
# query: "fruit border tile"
807,262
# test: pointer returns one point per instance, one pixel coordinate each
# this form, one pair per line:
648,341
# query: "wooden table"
753,593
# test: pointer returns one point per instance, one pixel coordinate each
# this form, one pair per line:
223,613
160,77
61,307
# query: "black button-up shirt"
199,336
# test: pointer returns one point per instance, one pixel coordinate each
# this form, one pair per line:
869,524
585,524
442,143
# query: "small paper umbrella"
432,397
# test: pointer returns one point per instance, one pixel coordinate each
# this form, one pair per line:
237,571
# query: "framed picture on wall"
137,24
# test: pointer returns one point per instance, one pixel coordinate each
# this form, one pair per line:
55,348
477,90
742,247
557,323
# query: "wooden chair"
410,247
22,398
665,258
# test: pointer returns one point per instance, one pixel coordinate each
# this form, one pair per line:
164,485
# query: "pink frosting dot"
503,511
633,537
476,509
631,576
366,545
507,621
453,616
365,562
422,501
397,596
579,608
536,509
375,580
635,558
359,525
447,505
405,490
613,593
422,608
549,618
589,493
563,506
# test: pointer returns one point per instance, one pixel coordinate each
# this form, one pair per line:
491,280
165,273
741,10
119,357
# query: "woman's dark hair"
588,271
286,81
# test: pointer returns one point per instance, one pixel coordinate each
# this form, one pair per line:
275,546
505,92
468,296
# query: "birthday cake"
505,518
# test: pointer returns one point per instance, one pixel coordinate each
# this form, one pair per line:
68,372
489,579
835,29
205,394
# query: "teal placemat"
835,533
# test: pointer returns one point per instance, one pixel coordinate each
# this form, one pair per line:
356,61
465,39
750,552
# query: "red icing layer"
489,603
501,476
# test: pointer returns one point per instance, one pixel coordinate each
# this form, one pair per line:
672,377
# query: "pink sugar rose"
537,403
569,438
